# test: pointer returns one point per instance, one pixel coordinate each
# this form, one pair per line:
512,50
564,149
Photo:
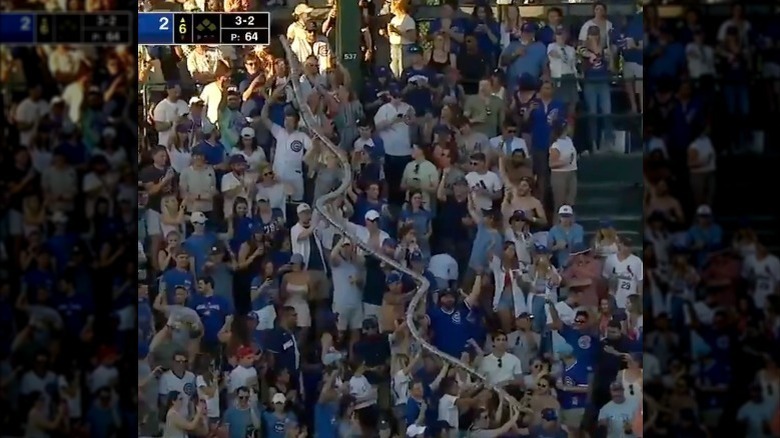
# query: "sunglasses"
243,397
417,168
511,131
181,361
542,386
251,64
268,174
500,362
372,220
475,163
579,321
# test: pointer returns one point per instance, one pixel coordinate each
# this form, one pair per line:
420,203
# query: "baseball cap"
196,100
311,25
393,277
302,8
56,100
371,215
197,217
296,259
382,71
704,210
232,91
389,243
518,215
198,150
278,398
59,217
394,90
565,210
247,132
415,49
414,430
446,291
237,159
594,30
303,207
244,351
560,29
549,414
529,27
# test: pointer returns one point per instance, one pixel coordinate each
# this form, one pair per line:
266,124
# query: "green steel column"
348,38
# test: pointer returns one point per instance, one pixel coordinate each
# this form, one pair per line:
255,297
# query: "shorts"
293,178
349,317
153,223
632,70
371,310
572,418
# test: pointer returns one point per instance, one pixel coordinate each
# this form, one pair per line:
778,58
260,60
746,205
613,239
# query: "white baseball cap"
414,430
565,210
198,217
302,208
704,210
247,132
278,398
371,215
59,217
196,99
302,8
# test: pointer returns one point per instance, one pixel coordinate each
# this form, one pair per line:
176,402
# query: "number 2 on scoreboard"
163,23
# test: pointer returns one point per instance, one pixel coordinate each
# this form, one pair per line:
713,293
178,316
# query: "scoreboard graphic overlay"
26,28
179,28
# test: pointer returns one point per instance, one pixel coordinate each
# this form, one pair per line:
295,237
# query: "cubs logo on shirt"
189,389
584,342
456,318
322,51
296,145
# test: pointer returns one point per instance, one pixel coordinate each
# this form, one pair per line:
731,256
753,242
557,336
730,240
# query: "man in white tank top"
627,269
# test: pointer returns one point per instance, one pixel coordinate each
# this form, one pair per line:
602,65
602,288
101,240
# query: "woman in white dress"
176,425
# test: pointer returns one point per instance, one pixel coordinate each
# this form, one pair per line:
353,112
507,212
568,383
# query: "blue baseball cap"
171,84
389,243
237,159
605,222
529,27
549,414
393,277
382,71
415,49
394,90
540,248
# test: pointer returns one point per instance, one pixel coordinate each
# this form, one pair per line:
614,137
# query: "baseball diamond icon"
206,24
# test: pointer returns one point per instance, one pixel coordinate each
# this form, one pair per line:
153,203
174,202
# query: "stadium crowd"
67,230
711,290
258,318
